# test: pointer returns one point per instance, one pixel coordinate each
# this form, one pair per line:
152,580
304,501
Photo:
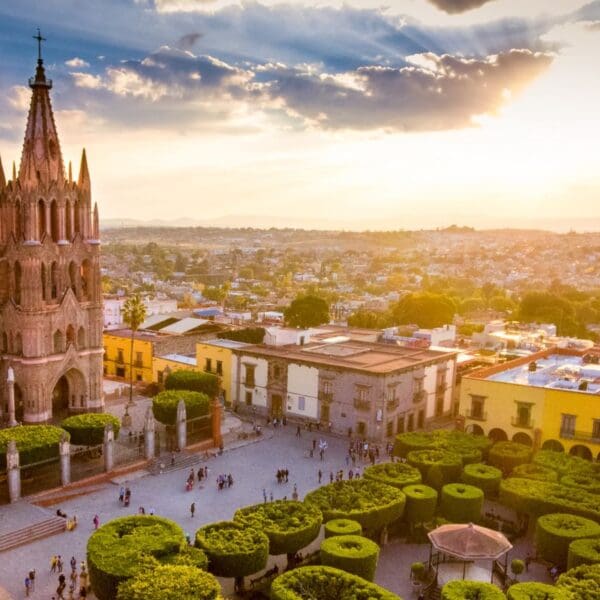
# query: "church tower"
50,288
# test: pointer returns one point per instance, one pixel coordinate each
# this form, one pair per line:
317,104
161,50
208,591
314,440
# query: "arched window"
54,281
70,335
81,338
18,276
76,218
73,277
4,289
18,224
18,344
58,342
54,220
4,342
41,218
69,220
86,278
43,281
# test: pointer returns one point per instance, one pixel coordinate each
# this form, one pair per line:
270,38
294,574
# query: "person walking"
32,579
73,563
298,431
27,586
96,522
121,494
53,564
59,563
264,495
192,508
320,474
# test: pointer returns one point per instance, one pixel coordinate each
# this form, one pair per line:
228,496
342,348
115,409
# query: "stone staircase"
50,526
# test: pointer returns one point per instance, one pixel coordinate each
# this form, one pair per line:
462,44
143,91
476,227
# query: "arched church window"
41,218
4,282
73,272
81,338
70,335
58,342
18,277
69,220
86,278
18,344
43,281
54,220
54,281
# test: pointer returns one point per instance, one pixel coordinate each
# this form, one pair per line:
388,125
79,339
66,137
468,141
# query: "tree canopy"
307,311
425,310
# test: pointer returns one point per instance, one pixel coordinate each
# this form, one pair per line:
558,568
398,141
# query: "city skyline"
328,115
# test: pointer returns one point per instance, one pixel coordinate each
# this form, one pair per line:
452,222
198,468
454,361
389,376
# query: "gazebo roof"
469,542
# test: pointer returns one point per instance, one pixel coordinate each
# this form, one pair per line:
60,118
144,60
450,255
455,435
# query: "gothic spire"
84,174
2,178
41,161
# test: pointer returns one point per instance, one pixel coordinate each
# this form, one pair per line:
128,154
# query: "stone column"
149,435
13,471
10,380
109,442
64,448
216,422
181,426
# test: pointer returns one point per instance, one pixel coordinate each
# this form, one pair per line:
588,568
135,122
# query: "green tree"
134,314
307,311
425,310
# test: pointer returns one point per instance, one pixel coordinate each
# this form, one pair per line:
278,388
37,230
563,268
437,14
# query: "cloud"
86,80
593,26
182,5
458,6
188,40
76,63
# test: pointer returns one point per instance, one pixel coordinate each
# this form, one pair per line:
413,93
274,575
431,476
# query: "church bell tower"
50,287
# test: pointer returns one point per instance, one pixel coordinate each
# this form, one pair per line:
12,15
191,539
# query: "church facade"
50,287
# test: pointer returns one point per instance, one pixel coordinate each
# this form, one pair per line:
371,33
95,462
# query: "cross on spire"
39,39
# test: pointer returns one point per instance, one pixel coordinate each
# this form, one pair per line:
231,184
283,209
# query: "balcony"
361,404
476,415
326,397
393,404
250,382
139,364
522,423
418,396
580,436
120,359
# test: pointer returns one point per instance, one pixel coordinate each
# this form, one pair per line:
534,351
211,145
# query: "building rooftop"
180,358
222,343
362,356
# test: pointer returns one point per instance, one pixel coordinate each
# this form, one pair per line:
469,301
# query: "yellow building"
550,399
163,365
216,356
117,355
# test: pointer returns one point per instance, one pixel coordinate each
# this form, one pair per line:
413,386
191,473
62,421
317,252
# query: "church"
50,287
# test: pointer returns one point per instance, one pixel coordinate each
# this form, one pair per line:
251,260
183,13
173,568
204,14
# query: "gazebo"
467,543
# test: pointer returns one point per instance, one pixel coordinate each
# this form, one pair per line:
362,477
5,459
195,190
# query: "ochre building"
50,289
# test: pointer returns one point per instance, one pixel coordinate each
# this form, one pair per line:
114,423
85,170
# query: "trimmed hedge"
164,405
397,474
508,455
554,532
338,527
470,447
289,525
583,582
169,582
565,463
34,442
318,582
421,502
471,590
583,552
590,483
449,463
188,557
461,503
88,429
535,471
232,549
193,381
372,504
352,553
413,440
532,590
484,477
539,498
122,547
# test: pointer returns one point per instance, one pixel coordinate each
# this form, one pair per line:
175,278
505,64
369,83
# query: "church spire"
2,178
84,174
41,160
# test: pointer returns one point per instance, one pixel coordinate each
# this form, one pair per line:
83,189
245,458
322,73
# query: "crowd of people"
77,582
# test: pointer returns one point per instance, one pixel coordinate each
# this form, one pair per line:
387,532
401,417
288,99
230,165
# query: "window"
301,403
362,393
248,398
249,380
421,419
523,415
159,376
361,428
219,367
120,355
138,377
390,429
411,423
208,365
596,429
391,392
567,427
400,424
138,359
477,404
327,387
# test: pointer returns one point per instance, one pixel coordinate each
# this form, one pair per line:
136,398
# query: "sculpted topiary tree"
35,443
352,553
532,590
337,527
461,503
582,582
508,455
289,525
484,477
395,474
471,590
88,429
583,552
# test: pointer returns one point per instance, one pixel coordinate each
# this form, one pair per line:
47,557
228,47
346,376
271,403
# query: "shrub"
169,582
193,381
471,590
540,498
449,463
531,590
417,570
461,503
372,504
554,532
583,552
352,553
35,443
188,557
590,483
517,566
394,474
535,471
470,447
88,429
123,547
582,582
289,525
564,463
412,440
508,455
337,527
318,582
484,477
421,502
232,549
164,405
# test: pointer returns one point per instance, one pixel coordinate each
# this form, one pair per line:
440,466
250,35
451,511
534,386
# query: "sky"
362,114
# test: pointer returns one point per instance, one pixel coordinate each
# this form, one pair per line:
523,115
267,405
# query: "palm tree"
134,314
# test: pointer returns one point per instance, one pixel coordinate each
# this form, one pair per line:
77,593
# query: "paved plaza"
253,467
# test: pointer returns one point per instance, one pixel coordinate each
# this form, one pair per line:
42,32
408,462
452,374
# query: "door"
276,406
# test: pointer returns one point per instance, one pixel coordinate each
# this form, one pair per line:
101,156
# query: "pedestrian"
172,459
295,493
314,443
73,563
192,508
83,578
330,476
151,511
321,453
59,564
264,495
32,579
271,496
121,493
27,586
53,564
96,521
287,473
298,431
200,474
527,561
320,475
206,472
